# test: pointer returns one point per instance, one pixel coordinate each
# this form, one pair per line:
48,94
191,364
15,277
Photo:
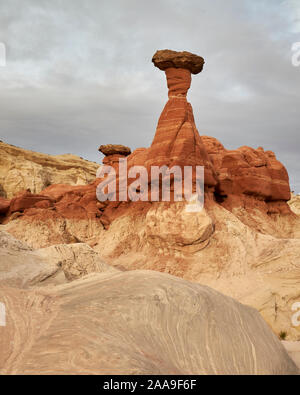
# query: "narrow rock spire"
177,141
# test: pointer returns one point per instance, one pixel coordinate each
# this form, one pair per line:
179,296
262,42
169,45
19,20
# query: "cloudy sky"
79,73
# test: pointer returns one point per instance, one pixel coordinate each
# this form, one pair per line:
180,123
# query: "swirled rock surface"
138,322
24,267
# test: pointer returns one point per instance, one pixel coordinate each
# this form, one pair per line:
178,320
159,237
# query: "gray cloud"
79,74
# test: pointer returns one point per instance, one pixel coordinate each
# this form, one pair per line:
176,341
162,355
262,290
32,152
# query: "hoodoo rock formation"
113,153
177,141
245,242
242,178
238,178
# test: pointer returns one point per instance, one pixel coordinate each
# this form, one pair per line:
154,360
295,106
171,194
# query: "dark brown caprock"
165,59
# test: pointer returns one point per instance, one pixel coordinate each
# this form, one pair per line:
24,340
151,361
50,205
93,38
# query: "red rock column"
178,81
177,141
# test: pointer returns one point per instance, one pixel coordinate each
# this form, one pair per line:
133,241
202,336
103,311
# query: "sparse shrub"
282,335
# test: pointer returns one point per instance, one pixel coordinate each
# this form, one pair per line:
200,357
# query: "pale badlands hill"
136,322
21,169
294,204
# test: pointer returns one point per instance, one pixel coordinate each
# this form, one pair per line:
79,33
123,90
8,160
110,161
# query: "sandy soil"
293,349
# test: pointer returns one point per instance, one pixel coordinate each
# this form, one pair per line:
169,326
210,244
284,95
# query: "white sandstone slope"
293,349
135,322
257,269
23,267
22,169
294,204
138,322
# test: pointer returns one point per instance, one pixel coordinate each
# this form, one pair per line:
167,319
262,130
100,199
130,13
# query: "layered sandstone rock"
75,260
294,204
169,226
62,214
257,269
244,177
177,141
248,172
138,322
245,242
24,267
4,206
22,169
